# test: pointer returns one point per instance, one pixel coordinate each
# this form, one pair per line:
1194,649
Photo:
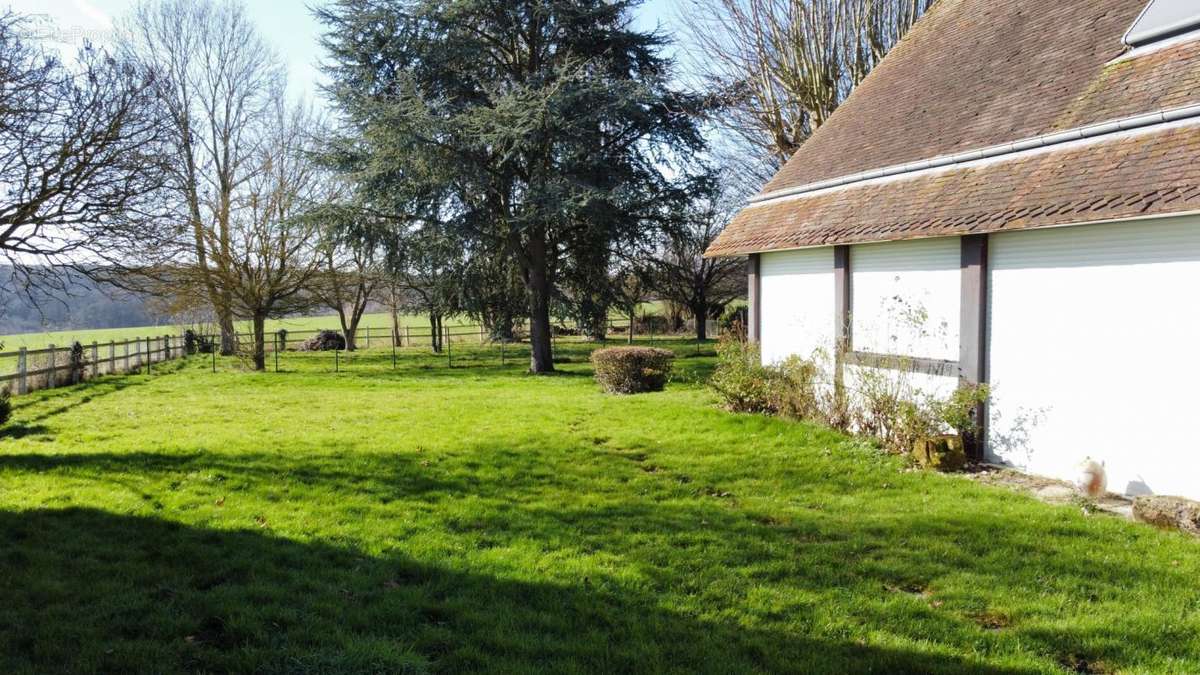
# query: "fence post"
393,333
213,350
408,335
149,355
368,337
337,365
449,354
502,341
52,376
95,359
112,356
22,372
275,342
126,345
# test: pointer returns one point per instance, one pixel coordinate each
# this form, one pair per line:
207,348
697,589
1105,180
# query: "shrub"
734,318
77,362
793,389
632,370
740,378
5,406
194,343
326,340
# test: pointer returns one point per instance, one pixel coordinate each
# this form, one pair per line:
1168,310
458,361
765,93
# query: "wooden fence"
61,366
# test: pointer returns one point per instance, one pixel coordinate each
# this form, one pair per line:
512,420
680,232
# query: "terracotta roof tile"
1149,173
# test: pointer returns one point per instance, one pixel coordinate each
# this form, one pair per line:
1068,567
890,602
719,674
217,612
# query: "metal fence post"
52,376
393,332
449,355
22,372
408,335
275,342
368,337
95,359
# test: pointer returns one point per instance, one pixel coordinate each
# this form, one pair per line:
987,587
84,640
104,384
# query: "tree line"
514,161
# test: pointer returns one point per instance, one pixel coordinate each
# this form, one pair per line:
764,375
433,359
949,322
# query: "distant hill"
86,306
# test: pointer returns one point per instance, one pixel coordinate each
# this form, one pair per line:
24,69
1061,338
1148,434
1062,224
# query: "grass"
476,518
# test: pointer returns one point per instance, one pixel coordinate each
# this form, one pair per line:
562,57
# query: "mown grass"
476,518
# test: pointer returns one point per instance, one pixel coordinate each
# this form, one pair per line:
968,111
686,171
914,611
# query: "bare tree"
783,66
79,169
273,251
216,80
684,277
352,273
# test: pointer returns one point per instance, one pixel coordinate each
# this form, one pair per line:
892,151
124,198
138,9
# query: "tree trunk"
396,328
435,332
349,329
541,340
228,332
700,312
260,343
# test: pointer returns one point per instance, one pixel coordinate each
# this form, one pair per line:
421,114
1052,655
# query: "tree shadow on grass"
91,591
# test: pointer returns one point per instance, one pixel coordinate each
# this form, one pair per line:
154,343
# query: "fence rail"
55,366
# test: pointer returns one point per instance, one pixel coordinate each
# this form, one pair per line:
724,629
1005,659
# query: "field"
378,321
436,519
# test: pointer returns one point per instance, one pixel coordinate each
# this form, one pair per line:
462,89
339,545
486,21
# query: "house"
1012,197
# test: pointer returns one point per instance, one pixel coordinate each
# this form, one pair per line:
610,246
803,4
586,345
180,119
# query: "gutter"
1045,140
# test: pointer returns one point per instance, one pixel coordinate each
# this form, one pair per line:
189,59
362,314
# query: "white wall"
1093,331
797,303
906,297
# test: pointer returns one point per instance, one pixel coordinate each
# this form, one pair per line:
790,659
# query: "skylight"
1163,19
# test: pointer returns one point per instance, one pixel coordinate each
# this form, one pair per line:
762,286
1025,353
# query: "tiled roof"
974,74
977,73
1147,173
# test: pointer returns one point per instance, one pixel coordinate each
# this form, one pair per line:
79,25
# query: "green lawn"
480,519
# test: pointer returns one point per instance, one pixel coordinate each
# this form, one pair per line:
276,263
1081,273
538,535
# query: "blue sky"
286,24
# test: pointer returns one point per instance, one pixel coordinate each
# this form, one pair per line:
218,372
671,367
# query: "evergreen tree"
530,127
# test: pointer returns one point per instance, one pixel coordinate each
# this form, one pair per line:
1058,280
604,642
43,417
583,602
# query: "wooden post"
22,371
973,332
754,314
149,355
52,376
408,335
368,337
126,344
843,339
95,360
112,356
393,334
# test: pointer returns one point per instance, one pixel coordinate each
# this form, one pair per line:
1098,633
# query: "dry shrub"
632,370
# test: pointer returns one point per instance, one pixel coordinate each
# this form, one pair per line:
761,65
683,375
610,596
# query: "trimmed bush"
326,340
5,406
632,370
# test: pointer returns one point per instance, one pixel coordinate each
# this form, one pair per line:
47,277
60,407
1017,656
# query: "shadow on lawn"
87,590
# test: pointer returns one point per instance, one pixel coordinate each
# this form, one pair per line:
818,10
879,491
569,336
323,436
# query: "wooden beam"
909,364
842,336
973,329
754,330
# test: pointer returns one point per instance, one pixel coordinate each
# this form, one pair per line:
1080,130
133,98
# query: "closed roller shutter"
797,303
1091,334
906,297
